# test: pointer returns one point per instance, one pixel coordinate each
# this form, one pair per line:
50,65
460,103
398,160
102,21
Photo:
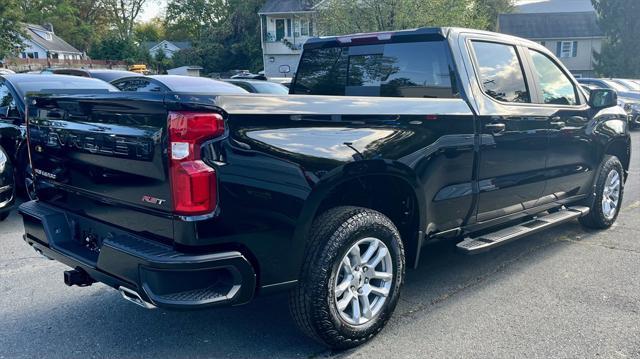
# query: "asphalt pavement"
564,293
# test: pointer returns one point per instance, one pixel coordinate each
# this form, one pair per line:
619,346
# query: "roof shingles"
551,25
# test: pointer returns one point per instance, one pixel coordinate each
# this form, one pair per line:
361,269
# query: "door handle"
495,127
578,120
558,124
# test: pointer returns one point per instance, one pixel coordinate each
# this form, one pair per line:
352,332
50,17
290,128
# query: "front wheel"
607,196
351,277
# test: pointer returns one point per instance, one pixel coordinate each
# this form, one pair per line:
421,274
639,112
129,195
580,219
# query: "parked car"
246,75
628,95
176,83
284,81
257,86
101,74
389,141
7,185
623,90
631,85
13,89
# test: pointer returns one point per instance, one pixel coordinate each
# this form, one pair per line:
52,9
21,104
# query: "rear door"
104,156
513,136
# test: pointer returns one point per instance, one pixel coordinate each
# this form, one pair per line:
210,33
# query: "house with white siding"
285,26
41,42
167,47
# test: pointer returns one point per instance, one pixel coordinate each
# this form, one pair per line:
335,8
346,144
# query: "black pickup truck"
386,142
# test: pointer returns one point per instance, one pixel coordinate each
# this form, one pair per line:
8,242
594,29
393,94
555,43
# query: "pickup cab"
387,141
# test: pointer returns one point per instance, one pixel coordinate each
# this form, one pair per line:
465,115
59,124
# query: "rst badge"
153,200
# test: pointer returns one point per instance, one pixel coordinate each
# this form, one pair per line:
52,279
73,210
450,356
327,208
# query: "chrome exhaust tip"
133,297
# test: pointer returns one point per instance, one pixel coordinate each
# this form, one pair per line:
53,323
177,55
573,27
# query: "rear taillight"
193,182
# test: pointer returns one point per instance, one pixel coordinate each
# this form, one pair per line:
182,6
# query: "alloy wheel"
363,281
611,195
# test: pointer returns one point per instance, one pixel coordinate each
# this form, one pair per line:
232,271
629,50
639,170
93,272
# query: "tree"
490,9
79,22
187,57
123,14
225,33
347,16
10,29
620,54
189,19
150,31
113,47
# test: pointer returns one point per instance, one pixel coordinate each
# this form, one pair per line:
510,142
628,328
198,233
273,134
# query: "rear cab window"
412,69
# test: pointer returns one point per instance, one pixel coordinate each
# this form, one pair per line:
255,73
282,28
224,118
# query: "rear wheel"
351,278
607,196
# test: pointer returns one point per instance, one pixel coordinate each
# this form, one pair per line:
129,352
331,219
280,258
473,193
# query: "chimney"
48,26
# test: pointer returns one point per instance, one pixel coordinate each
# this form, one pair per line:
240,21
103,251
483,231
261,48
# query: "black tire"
313,305
4,215
596,218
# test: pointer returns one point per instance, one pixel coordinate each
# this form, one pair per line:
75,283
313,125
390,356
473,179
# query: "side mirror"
4,112
603,98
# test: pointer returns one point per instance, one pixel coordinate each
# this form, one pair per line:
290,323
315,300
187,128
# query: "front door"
571,157
513,138
280,31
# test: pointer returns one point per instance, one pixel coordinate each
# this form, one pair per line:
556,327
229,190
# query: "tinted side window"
138,85
556,87
418,69
501,73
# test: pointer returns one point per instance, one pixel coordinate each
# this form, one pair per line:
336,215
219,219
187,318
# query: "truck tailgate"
104,156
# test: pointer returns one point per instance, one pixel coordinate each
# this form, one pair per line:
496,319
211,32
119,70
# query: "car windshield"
110,76
58,82
270,88
198,84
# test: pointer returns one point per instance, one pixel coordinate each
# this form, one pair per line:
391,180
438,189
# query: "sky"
153,8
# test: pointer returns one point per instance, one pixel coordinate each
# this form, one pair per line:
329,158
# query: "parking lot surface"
564,293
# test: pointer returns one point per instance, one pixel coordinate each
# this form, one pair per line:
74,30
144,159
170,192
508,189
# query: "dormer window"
44,34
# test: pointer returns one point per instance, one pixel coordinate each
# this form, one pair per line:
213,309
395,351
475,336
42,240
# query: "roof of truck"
425,32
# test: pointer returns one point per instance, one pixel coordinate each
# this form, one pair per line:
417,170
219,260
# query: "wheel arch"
621,148
348,185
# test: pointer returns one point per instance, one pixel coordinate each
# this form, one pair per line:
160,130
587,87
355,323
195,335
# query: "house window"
567,49
304,27
45,35
280,29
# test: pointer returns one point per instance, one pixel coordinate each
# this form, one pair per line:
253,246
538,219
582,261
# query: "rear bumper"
156,272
